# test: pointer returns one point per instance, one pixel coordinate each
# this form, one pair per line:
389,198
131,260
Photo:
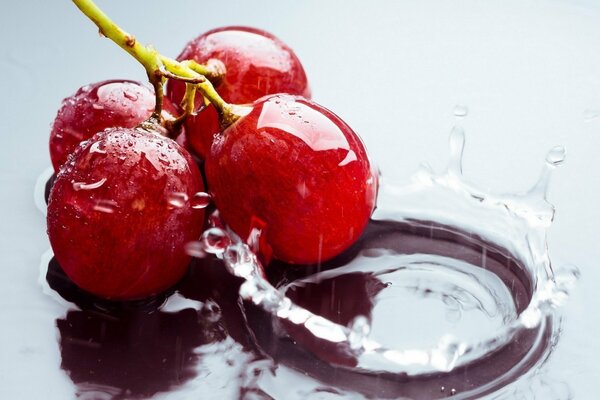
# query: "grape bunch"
234,107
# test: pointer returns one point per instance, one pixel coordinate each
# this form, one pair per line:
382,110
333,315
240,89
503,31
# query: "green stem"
158,66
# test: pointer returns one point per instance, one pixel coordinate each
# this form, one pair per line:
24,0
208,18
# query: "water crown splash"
511,226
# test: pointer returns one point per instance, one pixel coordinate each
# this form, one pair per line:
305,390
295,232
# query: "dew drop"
461,110
452,392
177,199
214,241
77,186
200,200
97,106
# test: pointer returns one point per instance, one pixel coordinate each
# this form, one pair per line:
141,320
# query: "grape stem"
159,67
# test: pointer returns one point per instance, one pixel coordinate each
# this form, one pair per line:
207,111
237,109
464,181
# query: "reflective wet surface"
145,348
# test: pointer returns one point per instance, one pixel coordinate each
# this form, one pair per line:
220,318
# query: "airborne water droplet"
556,156
461,110
200,200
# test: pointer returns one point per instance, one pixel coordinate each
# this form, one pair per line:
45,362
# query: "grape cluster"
129,192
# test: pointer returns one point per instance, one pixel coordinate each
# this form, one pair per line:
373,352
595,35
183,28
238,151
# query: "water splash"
515,223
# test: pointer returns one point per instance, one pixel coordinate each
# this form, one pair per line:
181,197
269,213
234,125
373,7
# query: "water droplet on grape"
215,240
97,147
105,206
88,186
177,199
130,96
461,110
200,200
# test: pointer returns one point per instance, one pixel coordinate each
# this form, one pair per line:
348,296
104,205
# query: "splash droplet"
461,110
215,241
457,145
556,156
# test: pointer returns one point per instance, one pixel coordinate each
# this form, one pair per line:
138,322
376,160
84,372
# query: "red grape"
95,107
256,62
299,170
119,215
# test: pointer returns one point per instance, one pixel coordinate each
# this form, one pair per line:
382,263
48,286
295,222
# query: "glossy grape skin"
118,219
299,169
95,107
257,64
